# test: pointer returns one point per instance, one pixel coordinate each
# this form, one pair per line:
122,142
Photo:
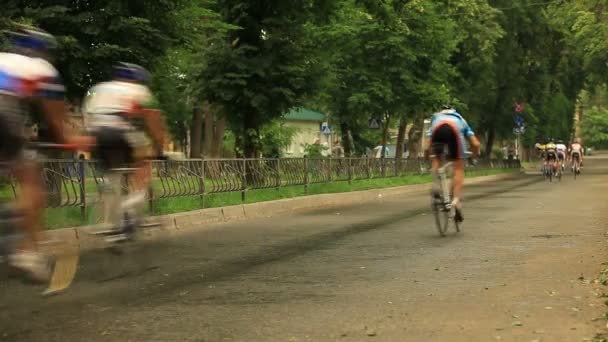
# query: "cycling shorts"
550,155
561,155
12,127
575,154
446,135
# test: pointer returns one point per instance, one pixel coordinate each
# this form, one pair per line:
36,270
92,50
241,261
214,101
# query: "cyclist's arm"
475,144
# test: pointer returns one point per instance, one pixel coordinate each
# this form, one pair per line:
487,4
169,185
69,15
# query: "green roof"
304,114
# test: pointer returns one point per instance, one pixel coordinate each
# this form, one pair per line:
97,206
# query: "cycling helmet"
447,107
131,72
29,37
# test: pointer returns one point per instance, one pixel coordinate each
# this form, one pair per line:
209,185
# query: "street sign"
519,121
325,129
519,130
374,123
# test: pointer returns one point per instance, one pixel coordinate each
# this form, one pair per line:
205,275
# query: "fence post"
151,189
350,170
244,181
278,174
383,166
368,167
201,183
331,171
83,193
305,174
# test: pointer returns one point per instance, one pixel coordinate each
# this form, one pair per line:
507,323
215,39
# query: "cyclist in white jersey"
561,150
128,132
30,85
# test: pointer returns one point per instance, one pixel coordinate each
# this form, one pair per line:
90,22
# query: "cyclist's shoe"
35,265
458,216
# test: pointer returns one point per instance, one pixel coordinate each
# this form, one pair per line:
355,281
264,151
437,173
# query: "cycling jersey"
121,138
576,148
23,78
458,125
106,101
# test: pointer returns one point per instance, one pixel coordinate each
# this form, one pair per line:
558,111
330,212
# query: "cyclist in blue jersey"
449,128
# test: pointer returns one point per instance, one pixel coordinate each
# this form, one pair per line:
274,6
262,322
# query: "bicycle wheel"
441,214
559,173
575,169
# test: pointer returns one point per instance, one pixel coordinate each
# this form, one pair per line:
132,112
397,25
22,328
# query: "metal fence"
74,183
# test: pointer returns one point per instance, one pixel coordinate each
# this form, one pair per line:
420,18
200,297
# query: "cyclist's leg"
30,204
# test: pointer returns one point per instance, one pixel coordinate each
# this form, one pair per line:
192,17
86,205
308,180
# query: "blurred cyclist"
122,120
561,150
449,128
30,86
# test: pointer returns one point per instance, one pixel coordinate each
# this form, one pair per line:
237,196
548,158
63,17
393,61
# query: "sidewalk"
202,219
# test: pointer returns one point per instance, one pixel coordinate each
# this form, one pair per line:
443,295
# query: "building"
308,125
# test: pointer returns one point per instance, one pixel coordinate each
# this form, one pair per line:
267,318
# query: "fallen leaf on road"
576,309
517,324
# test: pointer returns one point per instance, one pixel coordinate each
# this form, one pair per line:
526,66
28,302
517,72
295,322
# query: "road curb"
203,218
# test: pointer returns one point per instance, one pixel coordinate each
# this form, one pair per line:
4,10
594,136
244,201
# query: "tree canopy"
251,61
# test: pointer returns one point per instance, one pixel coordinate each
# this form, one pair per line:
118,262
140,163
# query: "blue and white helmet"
131,72
29,37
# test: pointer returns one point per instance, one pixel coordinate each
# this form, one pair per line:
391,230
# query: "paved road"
520,271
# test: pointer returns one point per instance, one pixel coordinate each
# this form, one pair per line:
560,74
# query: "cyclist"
551,155
449,128
122,121
561,150
576,152
30,90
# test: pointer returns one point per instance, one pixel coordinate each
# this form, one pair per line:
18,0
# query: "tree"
387,59
93,35
594,128
263,67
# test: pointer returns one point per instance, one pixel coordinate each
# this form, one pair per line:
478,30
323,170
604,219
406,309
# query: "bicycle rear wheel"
442,216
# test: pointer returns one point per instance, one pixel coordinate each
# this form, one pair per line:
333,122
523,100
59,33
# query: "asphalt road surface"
521,270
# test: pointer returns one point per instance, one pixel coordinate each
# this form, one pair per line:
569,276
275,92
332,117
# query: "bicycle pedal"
118,238
64,272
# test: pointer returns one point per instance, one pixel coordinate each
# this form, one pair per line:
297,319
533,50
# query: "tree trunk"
346,141
490,142
209,123
251,135
400,138
415,137
196,131
218,139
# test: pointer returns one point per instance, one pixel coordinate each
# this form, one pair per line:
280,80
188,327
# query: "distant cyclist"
576,152
449,128
561,150
551,155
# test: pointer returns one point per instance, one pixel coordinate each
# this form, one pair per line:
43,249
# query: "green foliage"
274,138
315,150
595,127
263,68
